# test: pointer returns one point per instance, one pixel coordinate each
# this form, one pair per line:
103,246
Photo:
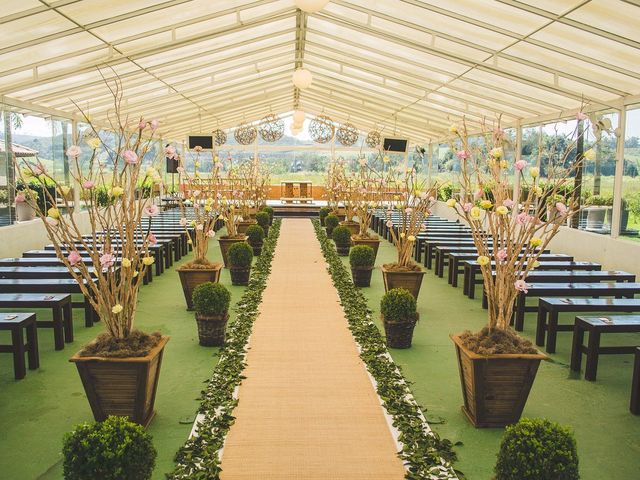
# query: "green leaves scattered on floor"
426,456
198,459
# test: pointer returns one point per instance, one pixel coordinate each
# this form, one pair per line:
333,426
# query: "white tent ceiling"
408,66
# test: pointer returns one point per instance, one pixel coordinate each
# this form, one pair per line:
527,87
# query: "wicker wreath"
219,137
271,128
374,139
347,134
321,129
245,134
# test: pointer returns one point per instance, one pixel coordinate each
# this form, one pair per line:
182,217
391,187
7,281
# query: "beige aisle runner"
307,408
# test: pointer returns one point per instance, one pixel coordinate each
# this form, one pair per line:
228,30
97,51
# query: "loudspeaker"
172,165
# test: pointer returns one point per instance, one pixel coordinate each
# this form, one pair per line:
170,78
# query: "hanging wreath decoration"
219,137
374,139
271,128
347,134
321,129
245,134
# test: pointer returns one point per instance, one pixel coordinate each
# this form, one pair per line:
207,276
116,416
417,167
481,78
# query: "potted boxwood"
270,212
211,303
342,237
362,259
264,220
115,449
536,449
121,367
255,238
497,366
399,316
240,258
323,213
330,223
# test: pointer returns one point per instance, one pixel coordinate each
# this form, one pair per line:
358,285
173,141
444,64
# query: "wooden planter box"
354,227
495,388
411,281
371,242
122,386
225,244
242,226
191,278
361,276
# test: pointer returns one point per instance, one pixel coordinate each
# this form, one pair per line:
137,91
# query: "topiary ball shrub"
211,299
263,219
269,212
537,449
324,212
255,235
331,221
115,449
240,255
362,256
341,235
398,306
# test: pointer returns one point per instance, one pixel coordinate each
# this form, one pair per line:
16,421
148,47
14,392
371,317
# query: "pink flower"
151,210
508,203
200,227
51,221
562,208
154,124
180,169
581,116
408,210
38,170
170,151
183,221
467,207
478,194
523,218
130,157
389,223
432,199
519,165
501,255
211,234
88,184
142,125
106,261
423,196
74,151
521,286
151,238
498,132
20,198
74,257
463,154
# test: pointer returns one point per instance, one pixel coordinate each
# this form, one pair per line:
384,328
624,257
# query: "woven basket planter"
343,250
411,281
240,276
399,335
361,276
257,248
212,329
495,388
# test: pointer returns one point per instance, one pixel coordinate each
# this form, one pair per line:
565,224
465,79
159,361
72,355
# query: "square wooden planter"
411,281
191,278
370,242
225,244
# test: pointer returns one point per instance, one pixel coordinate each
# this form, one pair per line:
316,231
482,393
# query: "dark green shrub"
115,449
269,211
240,255
341,235
324,212
255,234
362,256
263,218
398,305
211,299
537,449
331,221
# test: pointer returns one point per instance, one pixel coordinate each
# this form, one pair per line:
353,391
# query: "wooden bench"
550,308
60,305
635,385
18,323
596,326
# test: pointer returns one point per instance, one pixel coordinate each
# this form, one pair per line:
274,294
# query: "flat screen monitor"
204,141
395,145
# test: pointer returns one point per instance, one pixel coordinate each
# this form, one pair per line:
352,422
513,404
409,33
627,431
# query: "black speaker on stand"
172,168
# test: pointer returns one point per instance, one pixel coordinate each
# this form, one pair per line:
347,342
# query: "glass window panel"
630,217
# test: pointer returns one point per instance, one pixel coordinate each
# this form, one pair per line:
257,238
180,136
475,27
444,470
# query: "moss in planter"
341,235
211,299
136,344
398,306
331,221
361,256
240,255
255,235
536,449
394,267
115,449
198,264
495,342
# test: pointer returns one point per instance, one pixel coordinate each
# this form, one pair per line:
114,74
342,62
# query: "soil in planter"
495,342
394,267
137,344
198,265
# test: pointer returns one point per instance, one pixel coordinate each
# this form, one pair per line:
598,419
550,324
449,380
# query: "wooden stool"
16,322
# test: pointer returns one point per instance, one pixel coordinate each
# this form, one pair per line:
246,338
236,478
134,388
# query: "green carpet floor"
608,436
37,411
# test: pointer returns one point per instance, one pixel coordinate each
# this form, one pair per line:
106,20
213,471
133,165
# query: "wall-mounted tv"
395,145
204,141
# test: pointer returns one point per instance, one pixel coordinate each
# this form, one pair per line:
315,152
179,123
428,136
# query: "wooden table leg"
552,331
88,312
32,346
17,339
521,302
593,351
58,328
634,407
541,326
576,347
67,315
471,288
